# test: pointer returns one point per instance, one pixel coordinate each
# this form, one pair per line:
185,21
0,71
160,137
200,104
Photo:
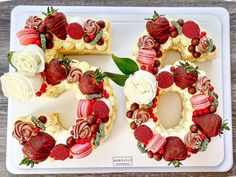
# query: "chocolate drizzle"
81,129
91,27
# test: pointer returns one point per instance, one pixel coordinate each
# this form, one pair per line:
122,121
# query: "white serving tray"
127,24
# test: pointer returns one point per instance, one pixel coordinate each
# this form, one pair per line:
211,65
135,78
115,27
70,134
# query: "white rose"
20,88
29,60
141,87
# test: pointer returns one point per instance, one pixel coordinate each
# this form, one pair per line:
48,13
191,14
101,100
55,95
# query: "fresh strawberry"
56,23
56,71
39,147
185,75
90,82
209,124
174,149
158,28
60,152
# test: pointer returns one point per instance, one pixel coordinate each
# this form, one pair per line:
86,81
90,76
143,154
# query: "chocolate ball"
194,128
133,125
155,70
157,46
100,42
157,63
70,141
195,41
180,22
49,36
94,128
87,39
41,28
192,90
212,109
105,119
43,119
158,54
134,107
157,156
191,48
91,119
213,49
129,114
150,154
101,24
49,45
196,54
174,34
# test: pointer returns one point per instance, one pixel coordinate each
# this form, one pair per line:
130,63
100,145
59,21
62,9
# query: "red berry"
143,67
39,93
172,28
72,132
189,155
106,95
195,113
104,92
211,88
200,36
172,68
36,129
150,68
77,141
203,136
154,100
43,74
210,99
94,135
150,110
203,33
71,157
99,121
200,112
43,87
92,37
154,119
151,115
206,110
161,151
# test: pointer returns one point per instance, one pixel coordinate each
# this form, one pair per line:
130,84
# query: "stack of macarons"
200,101
146,56
27,36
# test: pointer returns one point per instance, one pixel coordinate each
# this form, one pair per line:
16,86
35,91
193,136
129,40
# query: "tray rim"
223,15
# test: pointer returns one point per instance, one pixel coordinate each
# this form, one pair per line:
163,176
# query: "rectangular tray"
127,25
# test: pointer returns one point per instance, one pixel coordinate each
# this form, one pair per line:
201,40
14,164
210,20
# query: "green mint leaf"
125,65
204,145
119,79
9,57
38,123
141,147
43,41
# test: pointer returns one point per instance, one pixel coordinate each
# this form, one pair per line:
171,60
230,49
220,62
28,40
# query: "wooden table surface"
5,10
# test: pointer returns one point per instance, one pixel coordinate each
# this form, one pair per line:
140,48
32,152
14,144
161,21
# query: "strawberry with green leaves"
158,28
91,82
56,23
185,75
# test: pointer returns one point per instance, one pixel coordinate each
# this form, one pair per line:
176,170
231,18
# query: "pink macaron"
84,108
200,101
146,56
156,143
27,36
81,150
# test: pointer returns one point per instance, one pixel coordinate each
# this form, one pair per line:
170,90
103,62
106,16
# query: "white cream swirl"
20,88
141,87
29,60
